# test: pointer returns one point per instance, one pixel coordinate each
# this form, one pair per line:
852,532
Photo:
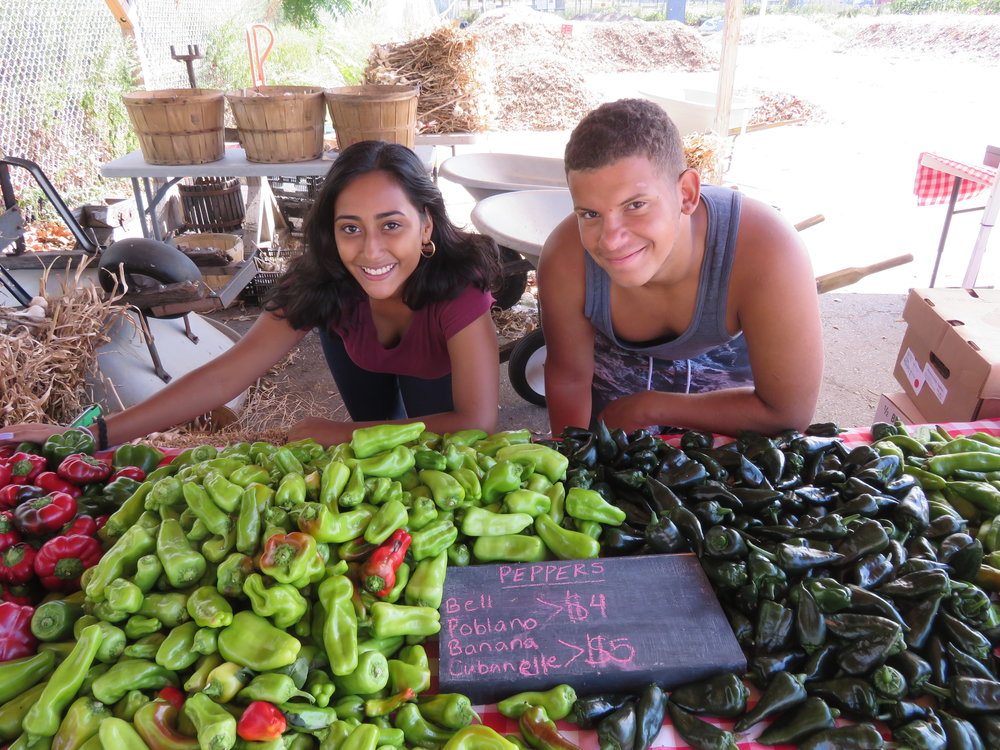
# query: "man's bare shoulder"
563,243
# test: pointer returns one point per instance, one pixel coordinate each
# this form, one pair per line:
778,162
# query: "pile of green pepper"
860,582
280,594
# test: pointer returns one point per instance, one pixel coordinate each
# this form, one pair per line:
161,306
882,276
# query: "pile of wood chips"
44,365
533,62
776,107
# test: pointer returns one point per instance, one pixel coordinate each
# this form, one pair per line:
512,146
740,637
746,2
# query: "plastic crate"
295,197
253,293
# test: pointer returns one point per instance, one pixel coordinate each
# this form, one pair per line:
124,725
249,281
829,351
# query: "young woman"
668,302
400,298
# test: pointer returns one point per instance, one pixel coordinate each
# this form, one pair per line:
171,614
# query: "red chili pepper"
173,696
378,574
24,467
16,638
14,494
17,563
18,593
132,472
79,468
5,472
82,525
61,561
261,722
52,482
8,533
44,514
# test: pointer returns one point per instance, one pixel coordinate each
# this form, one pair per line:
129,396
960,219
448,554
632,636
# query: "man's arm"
569,336
774,292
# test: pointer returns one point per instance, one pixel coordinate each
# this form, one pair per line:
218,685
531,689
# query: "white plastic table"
233,164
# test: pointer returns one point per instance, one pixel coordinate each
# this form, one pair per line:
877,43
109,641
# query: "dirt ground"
887,92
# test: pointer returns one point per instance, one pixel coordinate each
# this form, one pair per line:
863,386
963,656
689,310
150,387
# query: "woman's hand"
323,431
30,432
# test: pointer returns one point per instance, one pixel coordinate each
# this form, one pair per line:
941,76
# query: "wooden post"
122,11
727,66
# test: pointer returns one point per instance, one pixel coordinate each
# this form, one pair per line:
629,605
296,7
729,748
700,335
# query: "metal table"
233,164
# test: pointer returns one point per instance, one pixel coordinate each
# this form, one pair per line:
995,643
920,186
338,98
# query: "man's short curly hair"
627,127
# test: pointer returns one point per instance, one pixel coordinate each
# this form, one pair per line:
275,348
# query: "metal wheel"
514,283
145,264
526,368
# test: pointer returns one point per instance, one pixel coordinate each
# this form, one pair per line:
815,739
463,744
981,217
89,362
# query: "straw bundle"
43,365
445,66
705,153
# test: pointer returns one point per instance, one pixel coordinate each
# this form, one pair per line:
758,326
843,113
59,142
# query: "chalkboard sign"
607,625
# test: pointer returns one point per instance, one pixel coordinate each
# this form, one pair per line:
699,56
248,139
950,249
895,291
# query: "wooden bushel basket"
279,123
178,126
374,112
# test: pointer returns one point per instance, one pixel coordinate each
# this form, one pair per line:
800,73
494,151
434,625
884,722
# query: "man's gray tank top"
708,325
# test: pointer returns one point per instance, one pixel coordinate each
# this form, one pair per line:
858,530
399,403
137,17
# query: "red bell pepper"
378,574
14,494
17,563
82,525
261,722
100,521
52,482
132,472
18,593
79,468
5,472
44,514
173,696
24,467
16,638
61,561
8,532
6,451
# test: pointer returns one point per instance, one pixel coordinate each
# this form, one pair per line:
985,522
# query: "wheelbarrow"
523,220
485,175
152,332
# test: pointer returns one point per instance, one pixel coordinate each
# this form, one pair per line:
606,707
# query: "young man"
666,302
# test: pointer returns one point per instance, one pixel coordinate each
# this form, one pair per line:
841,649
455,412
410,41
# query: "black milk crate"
253,293
295,196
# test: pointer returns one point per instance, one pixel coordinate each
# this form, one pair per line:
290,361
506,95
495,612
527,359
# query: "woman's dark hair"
627,127
318,289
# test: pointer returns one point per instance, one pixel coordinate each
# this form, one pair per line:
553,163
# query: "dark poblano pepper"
812,716
589,710
774,627
785,691
724,696
650,709
698,733
854,737
852,695
961,734
617,730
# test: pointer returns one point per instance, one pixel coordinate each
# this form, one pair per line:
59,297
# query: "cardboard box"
893,406
949,361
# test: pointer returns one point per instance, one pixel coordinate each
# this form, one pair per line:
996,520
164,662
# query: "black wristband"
102,434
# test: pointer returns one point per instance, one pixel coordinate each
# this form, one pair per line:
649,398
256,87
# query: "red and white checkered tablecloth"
932,185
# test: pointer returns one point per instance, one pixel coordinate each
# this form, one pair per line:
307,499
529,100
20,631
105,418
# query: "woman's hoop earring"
428,249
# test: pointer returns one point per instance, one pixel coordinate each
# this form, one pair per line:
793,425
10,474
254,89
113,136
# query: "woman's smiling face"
379,233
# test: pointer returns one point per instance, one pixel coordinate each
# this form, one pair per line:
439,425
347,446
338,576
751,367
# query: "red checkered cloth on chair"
933,186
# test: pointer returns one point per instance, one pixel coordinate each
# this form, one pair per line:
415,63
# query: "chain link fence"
65,65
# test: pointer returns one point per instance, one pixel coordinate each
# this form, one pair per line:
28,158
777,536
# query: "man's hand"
633,411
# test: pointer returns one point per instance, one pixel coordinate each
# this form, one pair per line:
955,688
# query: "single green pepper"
44,717
181,564
433,538
478,737
253,642
449,710
249,474
202,505
370,676
53,620
537,458
12,711
208,608
224,493
509,548
527,502
281,602
698,733
411,670
557,702
426,586
503,477
417,730
17,675
785,691
177,652
273,688
446,491
393,619
215,726
367,441
327,525
339,632
131,545
390,516
563,543
390,463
